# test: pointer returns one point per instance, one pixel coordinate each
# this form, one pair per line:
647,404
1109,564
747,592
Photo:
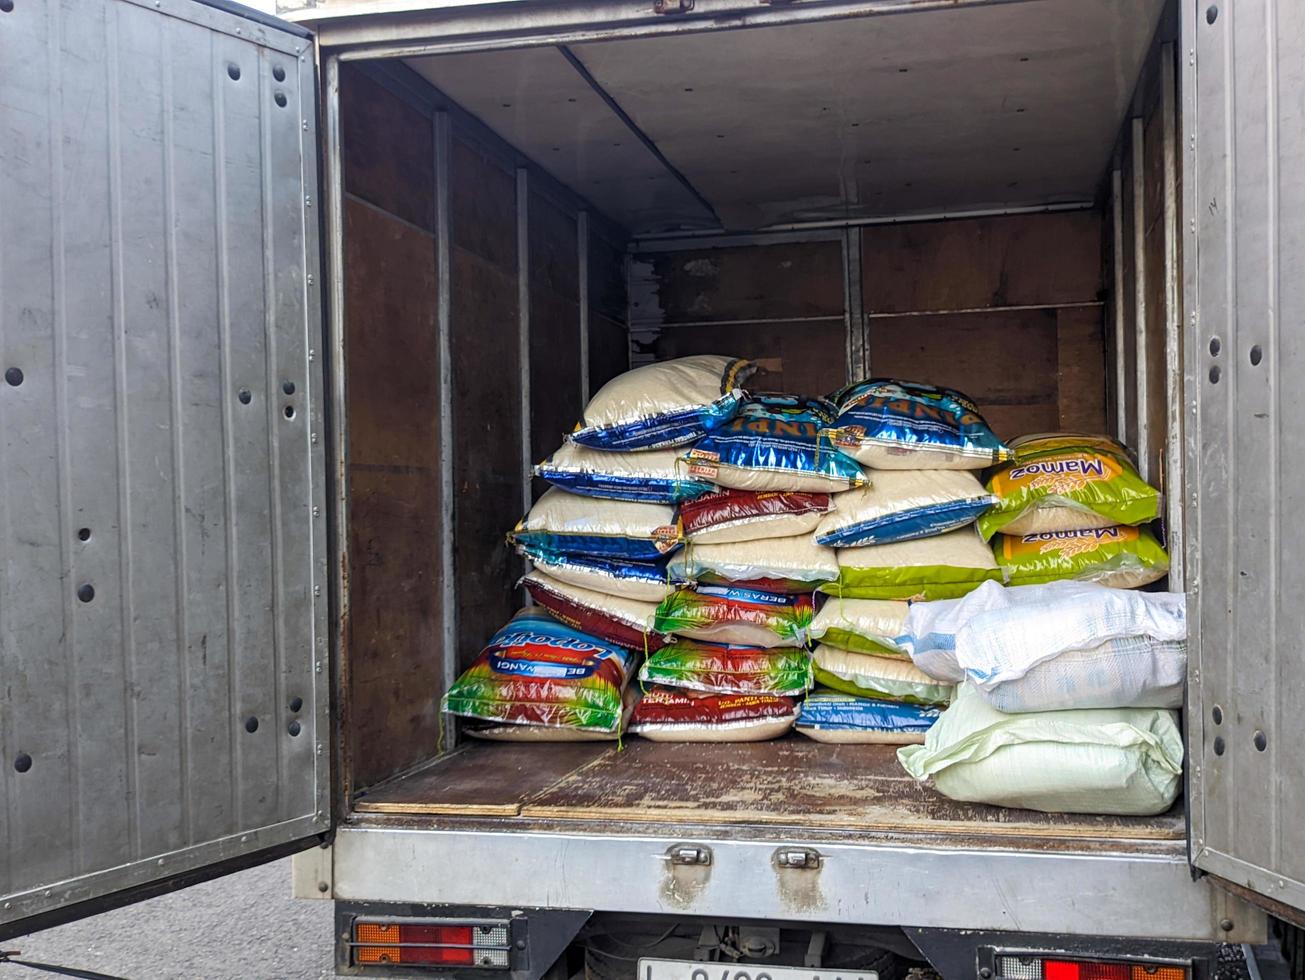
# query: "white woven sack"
1128,672
1126,646
1125,761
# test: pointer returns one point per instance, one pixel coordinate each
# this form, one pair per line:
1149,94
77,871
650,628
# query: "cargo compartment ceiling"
975,107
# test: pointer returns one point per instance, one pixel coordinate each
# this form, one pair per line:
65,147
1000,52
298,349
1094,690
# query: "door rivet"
1226,925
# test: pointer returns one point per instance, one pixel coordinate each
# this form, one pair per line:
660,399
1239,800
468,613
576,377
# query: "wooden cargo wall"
1006,309
781,305
502,247
393,678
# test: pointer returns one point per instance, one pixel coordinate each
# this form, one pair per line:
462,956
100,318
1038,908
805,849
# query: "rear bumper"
1089,892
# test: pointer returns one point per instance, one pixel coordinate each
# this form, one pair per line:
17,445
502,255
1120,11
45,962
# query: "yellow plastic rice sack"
1067,482
1119,557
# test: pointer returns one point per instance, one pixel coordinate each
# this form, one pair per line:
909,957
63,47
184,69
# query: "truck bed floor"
791,782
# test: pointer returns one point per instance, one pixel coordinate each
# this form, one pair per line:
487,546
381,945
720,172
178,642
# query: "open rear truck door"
164,663
1244,69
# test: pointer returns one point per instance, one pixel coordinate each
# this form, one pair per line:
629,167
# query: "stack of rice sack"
752,567
599,540
1073,507
908,534
1067,697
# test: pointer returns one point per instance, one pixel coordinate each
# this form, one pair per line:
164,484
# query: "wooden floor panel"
792,781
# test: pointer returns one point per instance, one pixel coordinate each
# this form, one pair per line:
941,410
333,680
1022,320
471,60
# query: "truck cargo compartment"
503,200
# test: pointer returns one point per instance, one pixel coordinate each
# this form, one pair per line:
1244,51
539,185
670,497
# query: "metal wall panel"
162,533
1246,154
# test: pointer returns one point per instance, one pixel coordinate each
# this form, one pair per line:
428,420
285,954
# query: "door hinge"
672,6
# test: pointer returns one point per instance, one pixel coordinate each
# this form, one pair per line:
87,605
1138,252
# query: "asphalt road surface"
241,927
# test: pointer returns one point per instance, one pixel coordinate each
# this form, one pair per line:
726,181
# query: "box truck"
289,308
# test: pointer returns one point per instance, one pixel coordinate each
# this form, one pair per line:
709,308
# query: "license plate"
650,969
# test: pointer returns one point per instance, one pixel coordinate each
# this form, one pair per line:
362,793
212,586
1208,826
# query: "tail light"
418,942
1033,966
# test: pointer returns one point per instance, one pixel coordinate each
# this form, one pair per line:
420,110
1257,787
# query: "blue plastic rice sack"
656,476
775,443
901,425
670,403
649,581
569,524
828,716
903,505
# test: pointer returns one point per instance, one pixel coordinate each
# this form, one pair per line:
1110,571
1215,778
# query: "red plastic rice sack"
749,515
537,671
719,668
729,614
674,716
626,622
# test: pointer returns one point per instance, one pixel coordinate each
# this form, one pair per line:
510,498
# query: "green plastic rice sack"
886,678
1067,482
1119,557
730,614
942,567
718,668
870,626
1126,761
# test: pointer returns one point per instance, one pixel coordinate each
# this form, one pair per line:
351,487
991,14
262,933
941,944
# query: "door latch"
672,6
694,854
806,858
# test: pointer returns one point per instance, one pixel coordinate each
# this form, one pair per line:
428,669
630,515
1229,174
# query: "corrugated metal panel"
161,469
1245,366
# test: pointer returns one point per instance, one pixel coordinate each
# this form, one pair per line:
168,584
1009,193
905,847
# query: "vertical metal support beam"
582,245
858,354
1173,327
442,127
1139,292
1117,301
333,195
523,329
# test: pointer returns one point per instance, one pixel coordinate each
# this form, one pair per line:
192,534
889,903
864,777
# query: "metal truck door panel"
1245,74
162,552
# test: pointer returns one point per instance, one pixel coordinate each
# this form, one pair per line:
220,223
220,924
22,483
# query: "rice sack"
626,622
549,733
775,443
646,581
1126,761
670,403
940,567
658,476
829,716
872,626
794,564
728,614
901,505
570,524
1119,557
674,716
747,515
888,679
718,668
538,671
901,425
1056,646
1068,482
